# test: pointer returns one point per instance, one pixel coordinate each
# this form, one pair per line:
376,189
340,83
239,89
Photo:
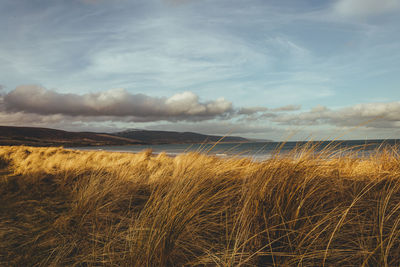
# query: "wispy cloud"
363,8
263,110
252,110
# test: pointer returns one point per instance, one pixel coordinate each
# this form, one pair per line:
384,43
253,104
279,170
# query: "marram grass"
63,207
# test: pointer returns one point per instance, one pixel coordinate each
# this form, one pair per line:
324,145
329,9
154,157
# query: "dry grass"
72,208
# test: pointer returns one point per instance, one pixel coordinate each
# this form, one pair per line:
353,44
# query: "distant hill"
33,136
169,137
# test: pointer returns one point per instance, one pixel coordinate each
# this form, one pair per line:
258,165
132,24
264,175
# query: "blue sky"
256,68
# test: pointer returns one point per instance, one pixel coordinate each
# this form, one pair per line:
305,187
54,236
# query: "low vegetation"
63,207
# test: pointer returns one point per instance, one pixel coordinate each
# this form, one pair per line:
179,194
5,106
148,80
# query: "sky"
279,69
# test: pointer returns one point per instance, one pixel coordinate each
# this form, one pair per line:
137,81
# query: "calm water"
255,150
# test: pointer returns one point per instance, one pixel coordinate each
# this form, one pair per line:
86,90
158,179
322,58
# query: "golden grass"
63,207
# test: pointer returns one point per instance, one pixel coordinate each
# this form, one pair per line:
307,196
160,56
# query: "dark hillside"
33,136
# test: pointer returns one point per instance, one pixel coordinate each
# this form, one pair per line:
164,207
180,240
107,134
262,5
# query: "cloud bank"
118,109
115,102
373,115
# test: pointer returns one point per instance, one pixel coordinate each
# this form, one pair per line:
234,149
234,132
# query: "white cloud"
115,102
362,8
373,115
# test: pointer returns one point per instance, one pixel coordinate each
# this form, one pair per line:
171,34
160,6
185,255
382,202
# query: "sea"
260,150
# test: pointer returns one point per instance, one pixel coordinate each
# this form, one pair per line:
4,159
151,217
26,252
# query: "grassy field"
72,208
